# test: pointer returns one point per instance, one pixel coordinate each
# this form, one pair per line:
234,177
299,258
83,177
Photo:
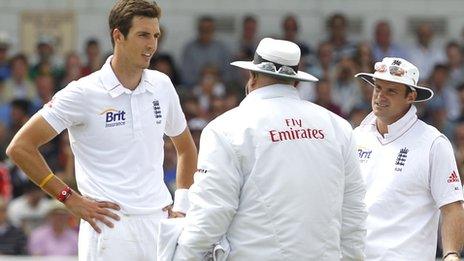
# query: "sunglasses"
270,67
394,70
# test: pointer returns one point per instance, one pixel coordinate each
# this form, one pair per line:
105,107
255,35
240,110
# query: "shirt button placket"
136,116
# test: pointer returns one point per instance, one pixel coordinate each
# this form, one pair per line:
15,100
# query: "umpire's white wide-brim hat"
398,70
277,58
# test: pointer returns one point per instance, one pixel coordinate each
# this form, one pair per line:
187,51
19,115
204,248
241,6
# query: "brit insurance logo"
364,154
114,117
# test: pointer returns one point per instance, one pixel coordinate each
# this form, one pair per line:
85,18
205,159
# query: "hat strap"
258,59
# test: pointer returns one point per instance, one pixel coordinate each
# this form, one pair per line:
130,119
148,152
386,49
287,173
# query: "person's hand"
452,257
173,214
92,211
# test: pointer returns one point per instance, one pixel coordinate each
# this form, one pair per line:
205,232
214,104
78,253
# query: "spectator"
72,70
209,86
93,55
217,107
425,53
163,57
455,63
165,64
5,183
3,140
363,57
65,160
45,85
346,92
366,95
290,29
324,97
29,210
460,93
169,165
445,96
13,116
12,239
336,25
4,47
204,50
191,108
20,109
18,86
232,98
383,45
197,127
324,66
55,237
46,62
245,47
248,39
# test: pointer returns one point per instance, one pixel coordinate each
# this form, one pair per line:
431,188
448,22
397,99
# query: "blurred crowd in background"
32,223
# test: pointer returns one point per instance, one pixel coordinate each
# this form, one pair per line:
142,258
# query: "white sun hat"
398,70
278,58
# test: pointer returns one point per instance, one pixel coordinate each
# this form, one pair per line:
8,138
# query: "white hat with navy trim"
277,58
398,70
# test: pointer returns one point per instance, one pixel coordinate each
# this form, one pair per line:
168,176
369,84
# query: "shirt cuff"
181,202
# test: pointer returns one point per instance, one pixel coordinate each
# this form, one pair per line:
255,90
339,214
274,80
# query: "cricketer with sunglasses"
409,170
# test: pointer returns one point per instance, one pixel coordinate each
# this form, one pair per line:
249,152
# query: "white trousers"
132,238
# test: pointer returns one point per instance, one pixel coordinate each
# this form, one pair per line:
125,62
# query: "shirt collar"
115,88
396,129
271,91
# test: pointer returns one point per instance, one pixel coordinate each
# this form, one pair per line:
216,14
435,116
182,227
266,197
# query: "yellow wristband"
46,180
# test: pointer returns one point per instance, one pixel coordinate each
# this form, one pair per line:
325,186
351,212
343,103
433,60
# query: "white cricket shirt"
117,136
410,173
280,178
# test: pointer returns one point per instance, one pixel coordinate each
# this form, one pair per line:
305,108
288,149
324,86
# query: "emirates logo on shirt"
401,159
294,130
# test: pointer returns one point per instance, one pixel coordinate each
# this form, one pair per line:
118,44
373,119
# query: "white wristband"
181,202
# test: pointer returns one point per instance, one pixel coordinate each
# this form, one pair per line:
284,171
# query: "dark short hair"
290,17
460,87
335,16
124,10
452,44
441,67
18,57
249,18
205,18
92,41
23,105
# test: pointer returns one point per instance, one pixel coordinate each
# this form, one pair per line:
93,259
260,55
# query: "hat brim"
423,93
300,76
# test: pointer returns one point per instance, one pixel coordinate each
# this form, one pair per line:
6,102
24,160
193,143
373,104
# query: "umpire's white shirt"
280,178
117,136
410,173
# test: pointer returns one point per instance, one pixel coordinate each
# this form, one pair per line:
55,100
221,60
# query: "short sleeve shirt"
117,136
410,173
